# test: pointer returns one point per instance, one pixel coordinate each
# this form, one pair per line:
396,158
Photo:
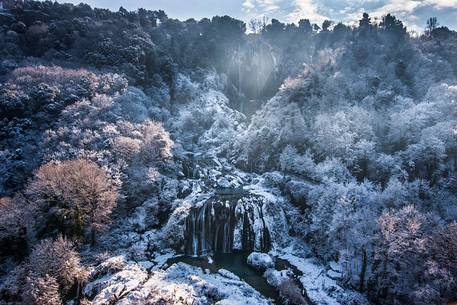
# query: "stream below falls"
236,263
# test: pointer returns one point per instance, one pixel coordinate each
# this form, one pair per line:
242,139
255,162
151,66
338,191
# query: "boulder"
19,27
275,277
260,261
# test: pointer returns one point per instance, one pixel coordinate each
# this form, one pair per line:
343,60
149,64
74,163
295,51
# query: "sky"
414,13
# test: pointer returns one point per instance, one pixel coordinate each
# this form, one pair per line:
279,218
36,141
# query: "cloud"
261,6
306,9
291,11
413,13
440,4
248,6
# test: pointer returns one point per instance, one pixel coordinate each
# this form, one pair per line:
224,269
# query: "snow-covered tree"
16,226
77,194
401,252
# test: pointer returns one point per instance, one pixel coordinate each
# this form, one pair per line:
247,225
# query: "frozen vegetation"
142,157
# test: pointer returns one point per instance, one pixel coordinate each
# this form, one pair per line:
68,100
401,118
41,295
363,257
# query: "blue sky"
414,13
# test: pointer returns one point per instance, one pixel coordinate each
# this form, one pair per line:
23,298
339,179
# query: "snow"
147,280
336,266
324,126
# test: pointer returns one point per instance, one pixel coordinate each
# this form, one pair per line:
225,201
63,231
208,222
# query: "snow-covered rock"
260,261
110,266
336,271
111,287
161,259
275,277
146,264
179,284
228,274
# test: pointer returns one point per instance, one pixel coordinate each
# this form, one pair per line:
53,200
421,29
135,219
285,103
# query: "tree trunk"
364,270
78,222
93,238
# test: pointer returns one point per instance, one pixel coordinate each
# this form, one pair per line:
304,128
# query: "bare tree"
326,25
432,24
441,268
56,259
77,193
255,25
41,291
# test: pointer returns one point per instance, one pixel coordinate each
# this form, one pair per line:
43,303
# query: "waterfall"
194,234
211,227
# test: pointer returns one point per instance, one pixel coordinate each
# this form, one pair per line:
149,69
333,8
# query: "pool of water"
237,264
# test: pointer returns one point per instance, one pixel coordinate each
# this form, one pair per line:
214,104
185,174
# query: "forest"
148,160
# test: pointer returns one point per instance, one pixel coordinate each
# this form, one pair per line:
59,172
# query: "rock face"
224,224
260,261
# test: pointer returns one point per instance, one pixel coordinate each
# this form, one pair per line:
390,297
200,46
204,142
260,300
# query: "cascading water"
221,226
